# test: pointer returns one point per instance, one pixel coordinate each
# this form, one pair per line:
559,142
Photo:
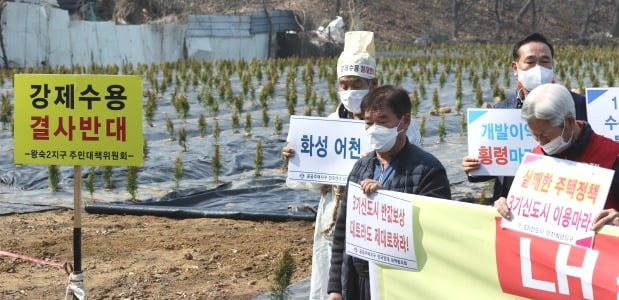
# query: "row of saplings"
132,172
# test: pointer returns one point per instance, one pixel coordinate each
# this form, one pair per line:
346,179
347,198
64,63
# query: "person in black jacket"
396,165
533,65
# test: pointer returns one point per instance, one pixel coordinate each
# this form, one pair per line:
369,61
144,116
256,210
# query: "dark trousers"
355,279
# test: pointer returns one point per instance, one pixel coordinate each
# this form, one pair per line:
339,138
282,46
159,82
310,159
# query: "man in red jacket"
549,111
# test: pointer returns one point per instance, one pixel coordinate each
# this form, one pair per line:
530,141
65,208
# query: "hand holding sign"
288,152
607,216
470,163
369,186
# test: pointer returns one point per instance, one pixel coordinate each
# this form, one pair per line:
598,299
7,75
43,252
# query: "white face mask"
558,145
382,138
351,99
535,76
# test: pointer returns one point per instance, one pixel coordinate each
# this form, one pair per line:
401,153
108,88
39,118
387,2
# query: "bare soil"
145,257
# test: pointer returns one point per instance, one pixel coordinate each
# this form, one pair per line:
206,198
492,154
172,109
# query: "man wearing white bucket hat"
356,72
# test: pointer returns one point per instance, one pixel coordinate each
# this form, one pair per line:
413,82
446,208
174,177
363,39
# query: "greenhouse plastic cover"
45,35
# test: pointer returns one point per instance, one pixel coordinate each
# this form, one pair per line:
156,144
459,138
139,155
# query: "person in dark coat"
396,165
533,65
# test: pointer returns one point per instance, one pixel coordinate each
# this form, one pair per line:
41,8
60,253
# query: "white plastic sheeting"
218,26
60,45
25,32
84,43
199,48
224,37
333,32
35,35
254,46
109,45
173,42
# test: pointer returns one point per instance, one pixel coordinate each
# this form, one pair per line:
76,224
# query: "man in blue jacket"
532,65
395,165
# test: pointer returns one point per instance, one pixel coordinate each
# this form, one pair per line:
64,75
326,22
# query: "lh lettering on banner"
539,268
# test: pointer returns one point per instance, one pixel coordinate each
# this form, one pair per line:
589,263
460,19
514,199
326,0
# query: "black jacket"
502,184
417,172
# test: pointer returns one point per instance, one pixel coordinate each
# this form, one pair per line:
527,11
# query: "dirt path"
143,257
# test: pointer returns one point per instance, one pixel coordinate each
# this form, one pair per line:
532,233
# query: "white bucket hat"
357,59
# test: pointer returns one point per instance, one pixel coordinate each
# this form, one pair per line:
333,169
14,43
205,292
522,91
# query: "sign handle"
77,219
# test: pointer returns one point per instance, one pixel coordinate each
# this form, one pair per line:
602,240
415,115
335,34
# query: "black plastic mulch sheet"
266,199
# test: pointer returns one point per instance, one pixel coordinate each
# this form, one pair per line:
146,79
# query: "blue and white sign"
602,111
499,138
325,148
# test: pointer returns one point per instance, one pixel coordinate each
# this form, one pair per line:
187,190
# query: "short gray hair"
551,102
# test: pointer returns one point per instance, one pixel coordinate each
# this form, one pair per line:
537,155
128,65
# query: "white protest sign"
379,227
602,111
499,138
557,199
325,148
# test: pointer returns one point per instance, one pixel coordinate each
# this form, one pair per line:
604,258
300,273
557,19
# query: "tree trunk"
455,25
354,18
499,16
336,8
615,29
459,11
522,11
533,16
584,29
269,47
5,59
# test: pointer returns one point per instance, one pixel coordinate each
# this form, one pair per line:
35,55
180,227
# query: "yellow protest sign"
93,120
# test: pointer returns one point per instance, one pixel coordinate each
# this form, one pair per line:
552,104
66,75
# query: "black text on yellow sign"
93,120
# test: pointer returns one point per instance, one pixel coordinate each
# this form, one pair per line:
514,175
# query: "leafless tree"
266,13
529,5
336,8
499,15
459,9
5,60
584,28
354,17
615,30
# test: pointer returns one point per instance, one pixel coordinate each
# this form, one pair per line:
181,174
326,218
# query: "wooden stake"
77,219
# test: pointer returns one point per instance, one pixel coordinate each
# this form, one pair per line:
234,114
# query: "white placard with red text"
379,227
326,149
557,199
499,138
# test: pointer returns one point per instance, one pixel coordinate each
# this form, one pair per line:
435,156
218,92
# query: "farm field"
195,109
